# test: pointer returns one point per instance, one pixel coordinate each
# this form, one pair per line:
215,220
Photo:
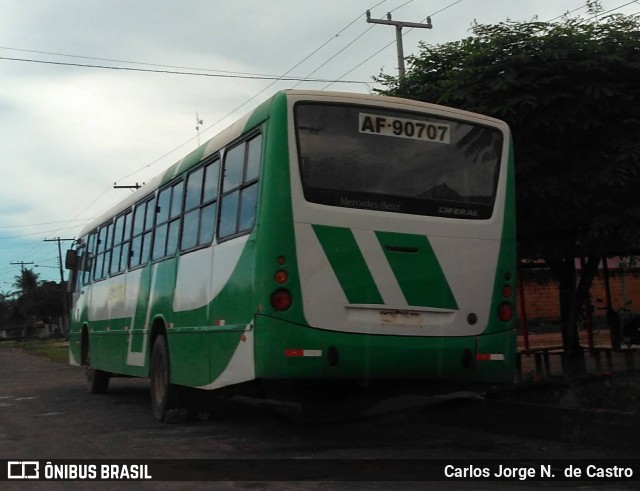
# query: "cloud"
82,130
66,134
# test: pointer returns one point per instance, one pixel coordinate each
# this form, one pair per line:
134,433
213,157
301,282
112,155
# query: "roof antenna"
199,122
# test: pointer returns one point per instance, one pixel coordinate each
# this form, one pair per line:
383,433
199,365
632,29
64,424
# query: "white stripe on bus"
379,267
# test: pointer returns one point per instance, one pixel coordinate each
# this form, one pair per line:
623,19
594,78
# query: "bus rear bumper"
290,351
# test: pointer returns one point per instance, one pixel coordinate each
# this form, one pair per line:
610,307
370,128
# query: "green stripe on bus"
417,270
347,262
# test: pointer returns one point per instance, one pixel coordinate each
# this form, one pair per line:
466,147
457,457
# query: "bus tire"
97,380
163,393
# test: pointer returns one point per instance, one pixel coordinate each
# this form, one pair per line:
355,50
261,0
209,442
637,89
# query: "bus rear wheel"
163,393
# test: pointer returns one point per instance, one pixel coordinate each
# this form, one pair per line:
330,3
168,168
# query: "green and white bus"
322,237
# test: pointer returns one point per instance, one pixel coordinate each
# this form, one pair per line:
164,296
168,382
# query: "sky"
69,132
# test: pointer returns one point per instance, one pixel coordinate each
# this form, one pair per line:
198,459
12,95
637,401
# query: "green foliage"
570,92
26,282
34,299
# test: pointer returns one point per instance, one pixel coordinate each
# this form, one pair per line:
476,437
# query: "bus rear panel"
400,245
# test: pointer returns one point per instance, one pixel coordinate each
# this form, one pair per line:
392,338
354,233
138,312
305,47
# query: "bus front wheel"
97,380
162,392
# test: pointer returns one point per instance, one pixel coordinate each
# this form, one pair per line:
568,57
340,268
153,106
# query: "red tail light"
281,277
281,299
505,312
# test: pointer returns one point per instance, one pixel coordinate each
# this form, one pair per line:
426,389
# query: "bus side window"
200,206
87,266
103,255
120,243
175,218
141,234
168,214
240,188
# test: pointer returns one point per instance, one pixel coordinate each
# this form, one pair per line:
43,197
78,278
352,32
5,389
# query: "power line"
400,6
350,43
332,38
39,233
611,10
445,8
335,36
43,223
361,63
597,15
92,203
174,67
568,12
226,74
451,5
130,62
254,96
335,55
222,74
240,75
171,72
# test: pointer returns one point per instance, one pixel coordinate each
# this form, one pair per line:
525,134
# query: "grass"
51,349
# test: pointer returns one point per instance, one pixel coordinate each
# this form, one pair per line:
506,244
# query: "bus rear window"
378,159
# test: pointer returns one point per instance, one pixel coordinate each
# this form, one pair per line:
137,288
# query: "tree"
50,300
4,308
570,93
35,299
27,284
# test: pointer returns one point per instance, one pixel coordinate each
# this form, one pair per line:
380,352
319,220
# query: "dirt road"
45,413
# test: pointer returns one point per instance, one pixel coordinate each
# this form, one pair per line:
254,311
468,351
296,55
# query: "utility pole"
59,240
399,25
65,300
22,265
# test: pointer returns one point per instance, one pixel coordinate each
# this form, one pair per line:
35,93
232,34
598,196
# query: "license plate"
400,317
413,129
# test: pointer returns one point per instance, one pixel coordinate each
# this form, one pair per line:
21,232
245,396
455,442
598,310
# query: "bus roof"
236,129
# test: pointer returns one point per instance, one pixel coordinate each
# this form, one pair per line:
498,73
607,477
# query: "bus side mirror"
71,260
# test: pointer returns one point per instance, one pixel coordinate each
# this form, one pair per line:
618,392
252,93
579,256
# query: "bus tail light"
505,312
281,277
281,299
505,309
